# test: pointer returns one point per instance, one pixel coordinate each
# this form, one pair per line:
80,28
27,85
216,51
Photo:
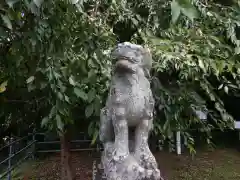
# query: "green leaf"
201,65
97,106
237,50
91,128
52,112
89,110
95,135
30,79
60,95
220,87
91,95
80,93
74,1
66,98
166,125
10,3
190,12
34,8
71,81
60,124
175,10
7,21
38,2
135,21
31,87
3,86
5,83
184,3
3,33
44,121
226,89
43,85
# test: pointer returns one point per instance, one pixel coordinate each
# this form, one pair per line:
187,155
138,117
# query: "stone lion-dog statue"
127,118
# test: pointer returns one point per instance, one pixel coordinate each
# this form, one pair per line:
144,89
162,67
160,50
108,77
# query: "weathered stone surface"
127,118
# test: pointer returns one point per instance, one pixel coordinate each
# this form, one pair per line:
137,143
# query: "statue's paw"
148,161
153,174
156,174
137,172
142,174
151,164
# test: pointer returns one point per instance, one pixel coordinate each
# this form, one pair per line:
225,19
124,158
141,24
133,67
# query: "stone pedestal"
127,168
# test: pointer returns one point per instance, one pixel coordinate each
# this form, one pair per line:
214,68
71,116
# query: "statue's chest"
134,97
137,102
137,96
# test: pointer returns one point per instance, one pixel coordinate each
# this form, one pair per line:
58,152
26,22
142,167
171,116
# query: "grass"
215,165
22,170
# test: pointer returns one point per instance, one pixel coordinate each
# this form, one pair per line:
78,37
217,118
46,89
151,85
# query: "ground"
221,164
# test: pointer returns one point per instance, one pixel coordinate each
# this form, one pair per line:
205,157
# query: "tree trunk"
66,168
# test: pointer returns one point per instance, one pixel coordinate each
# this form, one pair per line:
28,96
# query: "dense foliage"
55,63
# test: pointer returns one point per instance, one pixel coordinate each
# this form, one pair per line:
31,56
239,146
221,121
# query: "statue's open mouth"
125,65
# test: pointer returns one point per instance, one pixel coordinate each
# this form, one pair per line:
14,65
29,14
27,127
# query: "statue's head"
132,58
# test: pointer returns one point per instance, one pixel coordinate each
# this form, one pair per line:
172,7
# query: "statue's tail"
106,133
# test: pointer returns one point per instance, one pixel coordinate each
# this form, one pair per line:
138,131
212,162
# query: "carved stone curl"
127,118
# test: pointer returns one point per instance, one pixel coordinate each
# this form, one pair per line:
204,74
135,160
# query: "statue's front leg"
142,151
121,134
